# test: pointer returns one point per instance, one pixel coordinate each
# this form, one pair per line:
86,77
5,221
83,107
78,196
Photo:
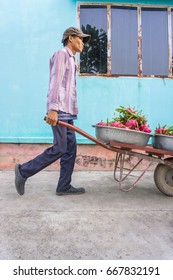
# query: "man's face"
77,44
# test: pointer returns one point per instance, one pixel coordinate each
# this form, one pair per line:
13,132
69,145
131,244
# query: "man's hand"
52,118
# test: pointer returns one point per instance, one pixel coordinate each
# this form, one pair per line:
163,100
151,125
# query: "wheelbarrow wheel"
163,178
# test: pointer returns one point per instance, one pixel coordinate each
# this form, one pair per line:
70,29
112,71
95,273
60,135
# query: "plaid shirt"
62,83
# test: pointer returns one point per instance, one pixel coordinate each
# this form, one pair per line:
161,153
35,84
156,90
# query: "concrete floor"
103,224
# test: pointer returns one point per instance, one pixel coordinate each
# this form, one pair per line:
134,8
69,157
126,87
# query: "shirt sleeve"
57,71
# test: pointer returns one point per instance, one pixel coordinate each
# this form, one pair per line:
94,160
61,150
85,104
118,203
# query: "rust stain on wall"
89,161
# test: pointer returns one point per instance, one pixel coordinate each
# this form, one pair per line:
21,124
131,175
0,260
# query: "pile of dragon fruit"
129,118
166,130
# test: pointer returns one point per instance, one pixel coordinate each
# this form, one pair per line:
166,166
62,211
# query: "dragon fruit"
129,118
127,114
132,124
161,130
145,128
116,124
101,123
166,130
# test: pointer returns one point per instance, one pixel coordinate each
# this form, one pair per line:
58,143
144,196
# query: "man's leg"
28,169
67,161
50,155
67,166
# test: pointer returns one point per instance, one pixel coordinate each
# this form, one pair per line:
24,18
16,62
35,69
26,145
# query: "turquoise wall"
146,2
30,31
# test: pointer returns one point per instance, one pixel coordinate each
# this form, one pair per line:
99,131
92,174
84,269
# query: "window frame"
139,7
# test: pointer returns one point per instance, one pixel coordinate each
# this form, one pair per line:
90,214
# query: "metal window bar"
139,42
109,40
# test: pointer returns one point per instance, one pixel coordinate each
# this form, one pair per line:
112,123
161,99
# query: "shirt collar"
69,51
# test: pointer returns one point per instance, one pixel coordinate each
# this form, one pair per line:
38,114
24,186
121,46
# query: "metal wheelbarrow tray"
107,134
163,173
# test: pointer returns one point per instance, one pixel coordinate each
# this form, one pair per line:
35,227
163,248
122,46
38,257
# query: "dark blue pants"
64,148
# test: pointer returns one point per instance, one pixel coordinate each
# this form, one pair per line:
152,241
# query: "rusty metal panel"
139,42
109,40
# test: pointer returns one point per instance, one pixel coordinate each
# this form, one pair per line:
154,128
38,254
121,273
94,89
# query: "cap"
76,32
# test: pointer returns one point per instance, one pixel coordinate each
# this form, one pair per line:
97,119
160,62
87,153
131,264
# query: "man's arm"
58,73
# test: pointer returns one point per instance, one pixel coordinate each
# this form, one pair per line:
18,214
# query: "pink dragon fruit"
161,130
129,118
131,124
145,128
102,123
116,124
167,130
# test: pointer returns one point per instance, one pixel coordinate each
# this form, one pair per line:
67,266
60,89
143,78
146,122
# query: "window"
154,42
124,35
127,40
94,57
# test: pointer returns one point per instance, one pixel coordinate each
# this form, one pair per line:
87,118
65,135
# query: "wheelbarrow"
163,173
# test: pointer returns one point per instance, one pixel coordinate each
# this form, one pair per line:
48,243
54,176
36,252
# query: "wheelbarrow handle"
83,133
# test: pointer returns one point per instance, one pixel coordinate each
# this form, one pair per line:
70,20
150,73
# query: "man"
62,105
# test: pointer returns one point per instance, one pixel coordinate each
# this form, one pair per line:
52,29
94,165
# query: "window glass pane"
154,42
124,38
93,21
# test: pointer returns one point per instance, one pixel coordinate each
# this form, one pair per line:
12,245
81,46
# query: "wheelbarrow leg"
117,159
138,178
120,159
